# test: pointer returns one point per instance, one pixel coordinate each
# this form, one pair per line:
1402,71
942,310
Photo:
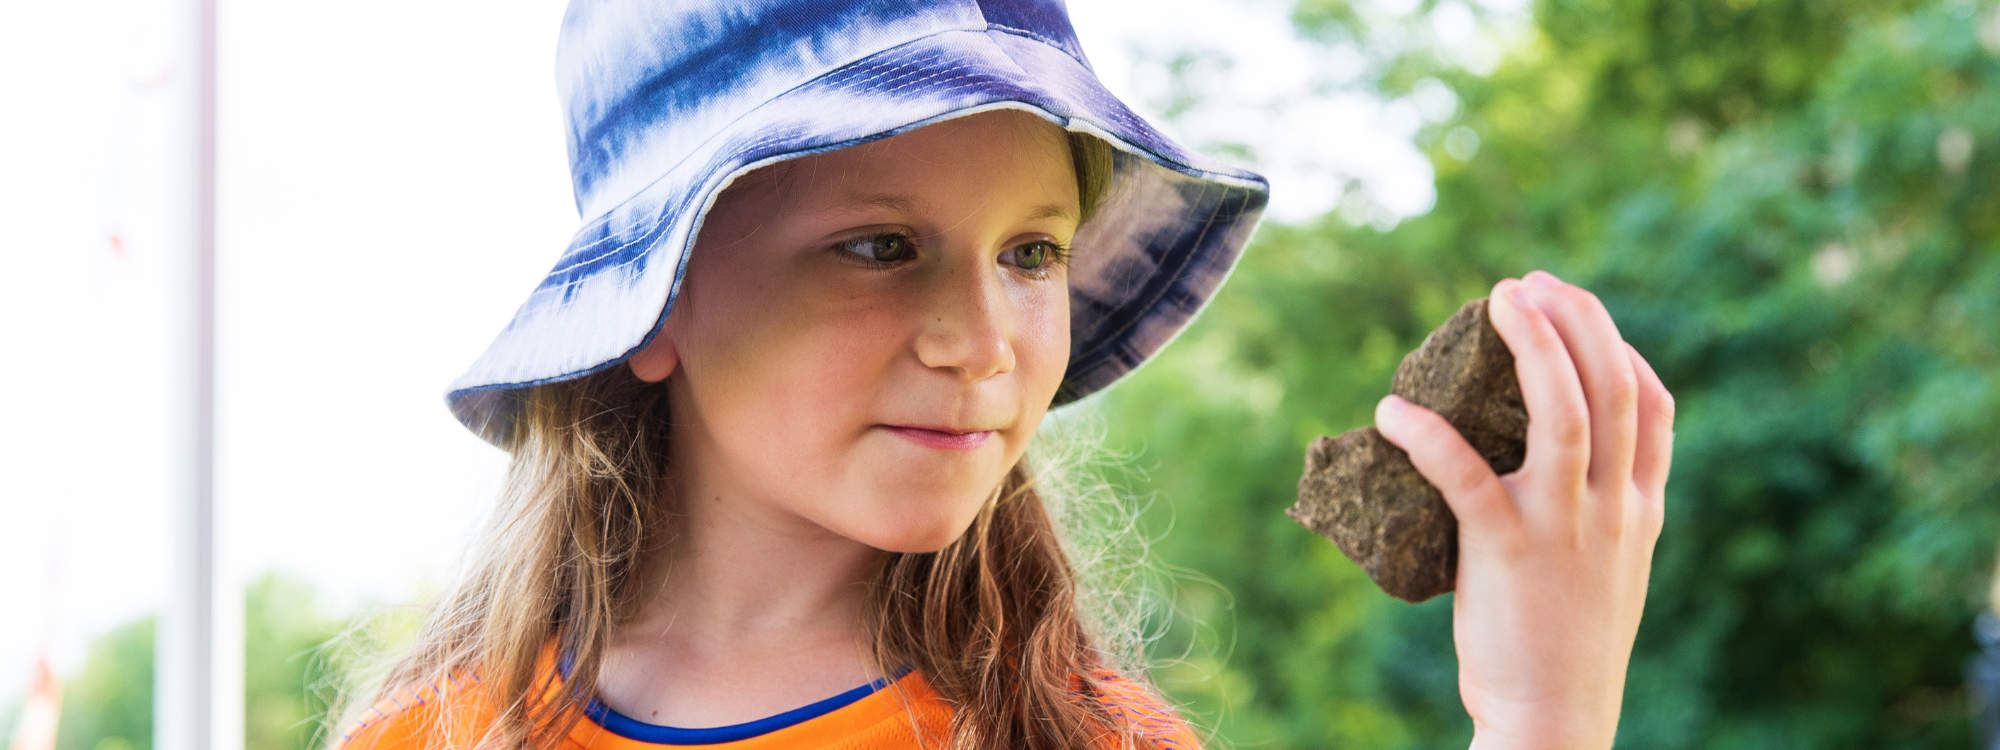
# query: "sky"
392,183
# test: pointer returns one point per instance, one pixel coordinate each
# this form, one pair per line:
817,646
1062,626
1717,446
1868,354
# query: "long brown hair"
991,621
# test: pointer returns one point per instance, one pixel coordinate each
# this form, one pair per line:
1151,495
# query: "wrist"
1482,741
1562,732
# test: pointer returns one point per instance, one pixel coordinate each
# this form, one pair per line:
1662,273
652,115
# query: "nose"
968,324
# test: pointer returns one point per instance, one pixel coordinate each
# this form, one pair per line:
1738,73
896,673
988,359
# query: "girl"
768,414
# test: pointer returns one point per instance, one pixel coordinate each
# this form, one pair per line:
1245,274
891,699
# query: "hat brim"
1164,238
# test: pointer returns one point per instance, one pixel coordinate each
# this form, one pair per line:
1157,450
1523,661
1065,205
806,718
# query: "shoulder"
447,714
1137,704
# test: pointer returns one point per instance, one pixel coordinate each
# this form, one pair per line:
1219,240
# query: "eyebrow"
1054,211
907,204
897,203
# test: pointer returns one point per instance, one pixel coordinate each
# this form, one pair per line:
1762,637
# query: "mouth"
940,438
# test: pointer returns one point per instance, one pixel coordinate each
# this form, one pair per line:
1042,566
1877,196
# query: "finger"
1654,453
1470,487
1610,388
1558,417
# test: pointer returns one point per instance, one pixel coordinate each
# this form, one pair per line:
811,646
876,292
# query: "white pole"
198,684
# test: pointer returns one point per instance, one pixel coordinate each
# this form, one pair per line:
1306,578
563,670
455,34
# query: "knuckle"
1623,391
1575,299
1543,334
1613,525
1590,301
1584,303
1469,477
1571,428
1652,517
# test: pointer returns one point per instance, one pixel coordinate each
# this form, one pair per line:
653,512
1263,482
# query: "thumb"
1470,487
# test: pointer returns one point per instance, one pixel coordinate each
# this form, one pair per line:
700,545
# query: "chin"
916,526
918,544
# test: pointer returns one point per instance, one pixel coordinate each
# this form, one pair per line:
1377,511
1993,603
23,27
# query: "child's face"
866,339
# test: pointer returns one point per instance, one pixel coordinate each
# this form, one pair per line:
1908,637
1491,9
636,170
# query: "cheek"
1042,345
784,380
789,386
789,407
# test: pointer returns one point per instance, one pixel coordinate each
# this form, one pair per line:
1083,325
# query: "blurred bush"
109,705
288,679
1790,207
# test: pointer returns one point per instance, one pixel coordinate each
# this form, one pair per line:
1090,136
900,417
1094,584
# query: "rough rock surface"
1361,492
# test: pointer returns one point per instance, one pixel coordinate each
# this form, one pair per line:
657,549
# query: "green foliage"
109,705
1722,60
287,681
1790,208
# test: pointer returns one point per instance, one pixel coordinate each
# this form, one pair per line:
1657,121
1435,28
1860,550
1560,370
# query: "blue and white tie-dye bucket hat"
670,100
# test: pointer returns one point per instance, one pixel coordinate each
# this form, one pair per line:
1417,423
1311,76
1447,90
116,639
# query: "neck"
740,571
750,612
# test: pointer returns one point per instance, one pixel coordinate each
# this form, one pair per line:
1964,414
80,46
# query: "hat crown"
645,82
667,101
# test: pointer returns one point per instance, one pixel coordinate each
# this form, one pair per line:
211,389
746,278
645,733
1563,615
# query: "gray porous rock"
1361,492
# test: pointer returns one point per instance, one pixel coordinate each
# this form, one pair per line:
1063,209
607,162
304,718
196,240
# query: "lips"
940,438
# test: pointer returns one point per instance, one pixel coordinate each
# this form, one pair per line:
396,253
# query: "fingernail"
1390,406
1543,278
1518,294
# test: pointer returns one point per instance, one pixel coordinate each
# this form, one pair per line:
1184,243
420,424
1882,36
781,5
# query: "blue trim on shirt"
634,729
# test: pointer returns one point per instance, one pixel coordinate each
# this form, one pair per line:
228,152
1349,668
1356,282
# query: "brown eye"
881,248
1030,257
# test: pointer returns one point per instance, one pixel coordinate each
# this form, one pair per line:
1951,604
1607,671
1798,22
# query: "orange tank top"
901,715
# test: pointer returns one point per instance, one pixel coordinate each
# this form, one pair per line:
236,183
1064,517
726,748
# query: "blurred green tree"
288,680
1790,207
109,705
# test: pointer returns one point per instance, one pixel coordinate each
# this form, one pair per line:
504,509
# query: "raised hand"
1553,558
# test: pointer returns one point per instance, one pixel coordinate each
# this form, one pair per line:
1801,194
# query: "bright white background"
392,182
